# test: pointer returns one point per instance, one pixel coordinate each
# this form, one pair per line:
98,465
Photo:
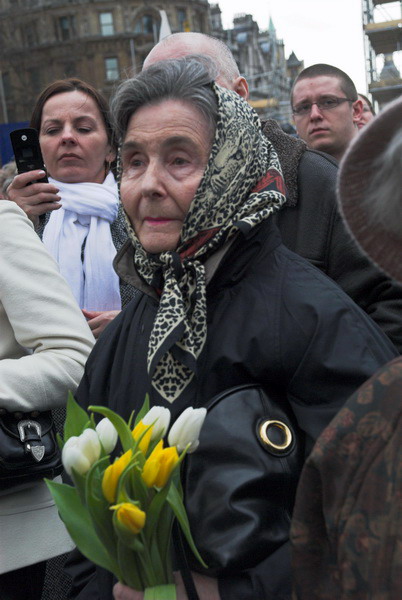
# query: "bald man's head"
191,43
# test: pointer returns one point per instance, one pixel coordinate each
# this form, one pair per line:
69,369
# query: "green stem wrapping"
129,568
161,592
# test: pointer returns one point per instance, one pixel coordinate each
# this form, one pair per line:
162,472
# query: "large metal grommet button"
275,436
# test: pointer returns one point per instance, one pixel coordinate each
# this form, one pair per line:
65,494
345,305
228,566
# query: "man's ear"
357,108
240,86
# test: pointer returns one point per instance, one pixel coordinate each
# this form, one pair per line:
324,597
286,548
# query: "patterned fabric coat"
347,522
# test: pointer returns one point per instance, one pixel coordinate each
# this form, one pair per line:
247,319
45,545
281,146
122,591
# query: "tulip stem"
161,592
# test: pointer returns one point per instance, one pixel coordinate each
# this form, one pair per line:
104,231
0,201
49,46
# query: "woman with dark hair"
368,113
224,312
77,212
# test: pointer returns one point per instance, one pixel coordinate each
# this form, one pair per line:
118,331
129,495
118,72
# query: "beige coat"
44,343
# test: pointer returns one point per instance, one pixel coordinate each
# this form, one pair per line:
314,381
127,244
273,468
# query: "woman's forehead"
168,121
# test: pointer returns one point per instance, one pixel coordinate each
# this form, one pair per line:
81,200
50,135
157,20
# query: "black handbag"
28,449
240,483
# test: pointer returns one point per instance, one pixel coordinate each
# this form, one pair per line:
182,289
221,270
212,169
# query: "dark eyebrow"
171,141
76,120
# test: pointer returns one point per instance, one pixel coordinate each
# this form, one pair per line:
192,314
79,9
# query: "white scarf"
87,211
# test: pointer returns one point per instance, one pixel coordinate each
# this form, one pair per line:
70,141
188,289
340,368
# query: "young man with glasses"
326,109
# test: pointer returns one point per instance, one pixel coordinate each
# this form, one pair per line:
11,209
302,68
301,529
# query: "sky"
318,31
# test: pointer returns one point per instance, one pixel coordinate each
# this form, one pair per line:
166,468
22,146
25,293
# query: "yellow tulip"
112,474
159,465
130,516
138,431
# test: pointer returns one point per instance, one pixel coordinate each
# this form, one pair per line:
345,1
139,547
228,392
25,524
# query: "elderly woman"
347,527
77,212
223,305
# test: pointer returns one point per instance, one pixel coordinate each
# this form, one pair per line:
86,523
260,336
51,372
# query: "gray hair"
383,200
188,79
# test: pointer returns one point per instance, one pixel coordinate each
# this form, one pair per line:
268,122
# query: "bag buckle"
266,428
37,451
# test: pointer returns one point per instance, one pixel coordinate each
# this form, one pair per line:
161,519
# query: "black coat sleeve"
327,347
315,230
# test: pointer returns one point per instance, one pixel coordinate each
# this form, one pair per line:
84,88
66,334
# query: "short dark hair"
188,79
73,84
347,85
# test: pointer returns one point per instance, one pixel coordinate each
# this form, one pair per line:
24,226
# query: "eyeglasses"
323,104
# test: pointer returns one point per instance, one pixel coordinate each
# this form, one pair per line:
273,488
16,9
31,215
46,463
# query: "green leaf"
131,483
121,426
154,511
59,440
79,525
163,538
76,419
161,592
179,510
98,506
129,567
143,410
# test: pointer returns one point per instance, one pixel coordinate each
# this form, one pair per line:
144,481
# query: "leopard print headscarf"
242,185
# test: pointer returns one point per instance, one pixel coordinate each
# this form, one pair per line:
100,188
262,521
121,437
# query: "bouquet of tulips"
120,512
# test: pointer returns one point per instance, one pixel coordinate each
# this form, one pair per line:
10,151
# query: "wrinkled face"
327,130
73,138
164,154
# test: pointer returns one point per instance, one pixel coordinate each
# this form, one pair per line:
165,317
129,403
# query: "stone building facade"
260,55
382,26
99,41
103,41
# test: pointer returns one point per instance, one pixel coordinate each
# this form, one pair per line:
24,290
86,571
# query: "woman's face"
366,115
73,138
164,154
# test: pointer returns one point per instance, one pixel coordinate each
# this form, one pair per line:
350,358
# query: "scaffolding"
382,25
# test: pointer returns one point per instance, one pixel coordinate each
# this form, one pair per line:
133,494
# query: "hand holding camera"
30,189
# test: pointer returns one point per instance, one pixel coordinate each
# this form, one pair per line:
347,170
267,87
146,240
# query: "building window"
66,28
31,35
145,25
112,69
182,19
106,23
6,83
35,80
70,70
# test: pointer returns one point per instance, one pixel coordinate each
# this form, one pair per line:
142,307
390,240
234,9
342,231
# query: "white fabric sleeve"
44,338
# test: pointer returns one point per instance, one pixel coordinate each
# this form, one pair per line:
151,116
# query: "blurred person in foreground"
309,223
7,173
44,343
222,304
347,524
77,212
368,113
326,108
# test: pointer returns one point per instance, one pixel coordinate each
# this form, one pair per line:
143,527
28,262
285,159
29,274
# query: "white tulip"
159,418
81,452
90,445
186,429
107,434
72,456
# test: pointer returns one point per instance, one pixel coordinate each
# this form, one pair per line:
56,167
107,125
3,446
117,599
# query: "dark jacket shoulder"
311,226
